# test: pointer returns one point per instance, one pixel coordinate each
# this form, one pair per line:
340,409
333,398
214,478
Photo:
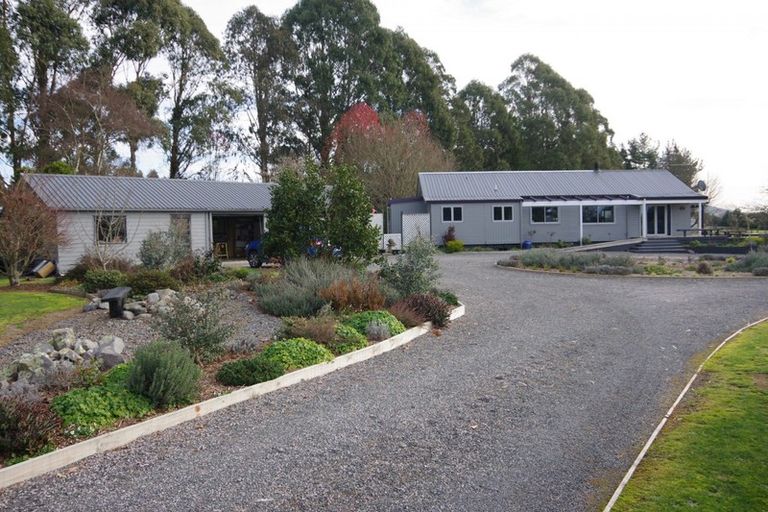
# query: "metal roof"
111,193
515,185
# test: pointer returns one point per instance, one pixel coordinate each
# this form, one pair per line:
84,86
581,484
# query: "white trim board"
109,441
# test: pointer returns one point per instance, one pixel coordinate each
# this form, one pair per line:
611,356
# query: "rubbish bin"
527,244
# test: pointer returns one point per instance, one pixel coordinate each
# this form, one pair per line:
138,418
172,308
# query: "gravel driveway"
538,399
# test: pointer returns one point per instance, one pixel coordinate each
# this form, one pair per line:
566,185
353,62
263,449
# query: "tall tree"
340,46
51,42
388,154
559,124
193,54
414,79
640,153
680,162
262,59
489,139
146,92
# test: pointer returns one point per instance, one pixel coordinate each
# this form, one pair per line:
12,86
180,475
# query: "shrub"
454,246
608,270
26,428
339,338
347,339
165,373
196,267
760,271
354,295
238,273
84,411
450,235
360,321
750,261
415,270
448,296
89,262
163,249
295,353
407,316
296,292
704,268
247,372
95,280
432,308
147,281
659,269
377,331
196,324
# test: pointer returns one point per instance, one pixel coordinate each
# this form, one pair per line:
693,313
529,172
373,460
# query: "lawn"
713,453
17,307
4,283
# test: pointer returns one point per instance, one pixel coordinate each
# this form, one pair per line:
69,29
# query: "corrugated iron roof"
514,185
100,193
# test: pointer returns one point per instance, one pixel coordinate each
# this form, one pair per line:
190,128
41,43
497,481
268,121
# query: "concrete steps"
660,245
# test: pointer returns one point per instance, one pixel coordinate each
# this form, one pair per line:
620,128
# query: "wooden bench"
116,298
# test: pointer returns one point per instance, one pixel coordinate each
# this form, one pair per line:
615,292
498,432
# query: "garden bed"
754,264
130,430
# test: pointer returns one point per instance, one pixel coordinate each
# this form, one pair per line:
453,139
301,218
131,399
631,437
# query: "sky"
692,71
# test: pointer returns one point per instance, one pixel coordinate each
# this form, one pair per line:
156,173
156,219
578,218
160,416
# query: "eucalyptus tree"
489,138
641,152
9,98
193,55
262,58
680,162
559,125
340,46
52,47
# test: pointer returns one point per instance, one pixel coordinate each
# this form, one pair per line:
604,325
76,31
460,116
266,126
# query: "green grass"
18,307
4,283
713,454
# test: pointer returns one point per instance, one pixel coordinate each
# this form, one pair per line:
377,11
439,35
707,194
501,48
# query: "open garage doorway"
231,233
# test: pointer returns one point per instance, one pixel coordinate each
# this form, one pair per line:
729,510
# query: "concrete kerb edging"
109,441
657,430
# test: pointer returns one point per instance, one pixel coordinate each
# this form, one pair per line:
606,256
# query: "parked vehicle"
254,251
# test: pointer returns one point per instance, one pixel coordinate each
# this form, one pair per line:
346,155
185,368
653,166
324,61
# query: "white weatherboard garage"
508,207
116,213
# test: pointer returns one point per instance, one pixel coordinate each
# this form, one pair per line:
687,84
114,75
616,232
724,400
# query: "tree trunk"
133,146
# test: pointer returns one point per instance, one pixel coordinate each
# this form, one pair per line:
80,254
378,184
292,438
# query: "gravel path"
251,326
537,399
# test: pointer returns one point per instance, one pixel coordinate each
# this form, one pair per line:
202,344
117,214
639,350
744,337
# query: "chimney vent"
597,167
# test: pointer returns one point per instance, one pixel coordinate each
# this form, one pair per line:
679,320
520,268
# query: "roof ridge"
138,178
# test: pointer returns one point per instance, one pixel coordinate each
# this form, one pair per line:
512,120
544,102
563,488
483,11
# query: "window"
544,215
502,214
453,214
111,229
181,224
597,214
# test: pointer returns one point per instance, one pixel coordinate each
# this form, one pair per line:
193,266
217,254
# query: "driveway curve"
538,399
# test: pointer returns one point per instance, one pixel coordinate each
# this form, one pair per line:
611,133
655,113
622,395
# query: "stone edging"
655,434
109,441
614,276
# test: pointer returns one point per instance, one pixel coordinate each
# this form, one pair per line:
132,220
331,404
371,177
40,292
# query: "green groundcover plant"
360,321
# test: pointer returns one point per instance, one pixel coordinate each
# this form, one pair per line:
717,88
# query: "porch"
230,234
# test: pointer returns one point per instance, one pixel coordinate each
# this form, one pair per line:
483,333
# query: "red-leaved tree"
28,230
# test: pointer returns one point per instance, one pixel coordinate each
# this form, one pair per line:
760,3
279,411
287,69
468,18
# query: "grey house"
115,214
508,207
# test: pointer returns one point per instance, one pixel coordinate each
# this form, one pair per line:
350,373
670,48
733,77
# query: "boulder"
127,315
109,358
113,343
153,298
67,354
144,316
104,305
92,306
165,293
85,345
44,348
28,363
63,338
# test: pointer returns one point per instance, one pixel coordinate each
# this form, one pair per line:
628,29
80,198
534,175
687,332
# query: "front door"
657,219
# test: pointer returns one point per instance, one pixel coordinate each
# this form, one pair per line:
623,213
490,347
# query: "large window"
597,214
502,214
544,215
453,214
181,223
110,229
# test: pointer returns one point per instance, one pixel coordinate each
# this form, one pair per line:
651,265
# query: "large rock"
127,315
136,308
104,305
110,351
44,348
28,363
85,345
165,293
67,354
63,338
91,306
153,298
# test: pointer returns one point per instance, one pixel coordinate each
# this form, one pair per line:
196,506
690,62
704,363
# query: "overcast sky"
694,71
